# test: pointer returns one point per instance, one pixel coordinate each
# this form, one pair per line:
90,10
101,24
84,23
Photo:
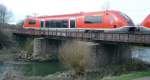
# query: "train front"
122,22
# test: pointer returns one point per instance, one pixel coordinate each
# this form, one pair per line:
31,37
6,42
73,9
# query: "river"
46,68
31,68
142,53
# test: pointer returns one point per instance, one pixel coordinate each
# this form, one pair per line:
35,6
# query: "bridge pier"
39,46
46,48
53,47
112,53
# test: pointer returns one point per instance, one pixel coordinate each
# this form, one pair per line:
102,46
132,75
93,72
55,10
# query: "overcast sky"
136,9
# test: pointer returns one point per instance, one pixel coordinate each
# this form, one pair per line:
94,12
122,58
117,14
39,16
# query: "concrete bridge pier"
39,46
112,53
53,47
46,48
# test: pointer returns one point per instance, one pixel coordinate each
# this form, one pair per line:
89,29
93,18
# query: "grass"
130,76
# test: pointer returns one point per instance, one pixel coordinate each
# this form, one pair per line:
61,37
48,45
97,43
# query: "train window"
57,24
93,19
64,24
32,22
48,24
42,23
53,24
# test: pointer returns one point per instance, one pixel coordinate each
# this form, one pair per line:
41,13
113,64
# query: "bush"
5,36
77,55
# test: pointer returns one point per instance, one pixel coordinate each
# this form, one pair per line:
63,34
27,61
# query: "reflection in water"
142,53
32,68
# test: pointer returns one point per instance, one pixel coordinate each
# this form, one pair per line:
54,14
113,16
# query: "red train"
145,25
146,22
103,20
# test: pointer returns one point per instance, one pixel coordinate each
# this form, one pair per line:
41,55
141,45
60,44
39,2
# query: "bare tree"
5,14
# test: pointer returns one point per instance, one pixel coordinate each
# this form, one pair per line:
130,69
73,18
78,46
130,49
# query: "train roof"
73,15
64,15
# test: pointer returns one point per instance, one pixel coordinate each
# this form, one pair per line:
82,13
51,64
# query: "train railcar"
146,22
103,20
145,25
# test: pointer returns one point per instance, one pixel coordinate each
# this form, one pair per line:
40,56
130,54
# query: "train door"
72,23
42,24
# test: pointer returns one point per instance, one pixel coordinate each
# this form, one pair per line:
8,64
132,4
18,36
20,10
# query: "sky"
136,9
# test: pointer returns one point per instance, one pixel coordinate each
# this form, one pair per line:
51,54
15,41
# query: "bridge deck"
136,38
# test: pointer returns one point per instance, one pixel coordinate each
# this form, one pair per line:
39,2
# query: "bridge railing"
140,38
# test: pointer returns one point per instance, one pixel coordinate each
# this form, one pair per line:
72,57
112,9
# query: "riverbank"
53,71
22,70
130,76
69,75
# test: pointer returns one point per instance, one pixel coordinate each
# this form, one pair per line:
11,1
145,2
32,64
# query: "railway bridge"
113,47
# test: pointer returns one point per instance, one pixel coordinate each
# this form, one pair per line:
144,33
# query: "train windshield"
129,21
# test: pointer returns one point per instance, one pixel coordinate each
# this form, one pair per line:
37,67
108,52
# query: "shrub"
77,55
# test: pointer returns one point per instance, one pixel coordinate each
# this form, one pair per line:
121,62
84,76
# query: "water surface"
32,68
